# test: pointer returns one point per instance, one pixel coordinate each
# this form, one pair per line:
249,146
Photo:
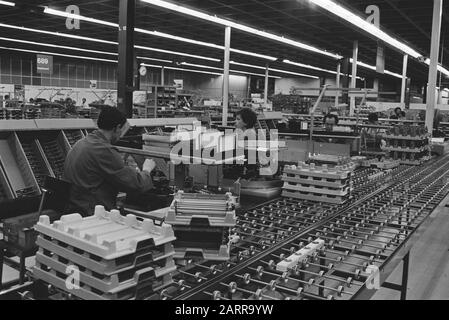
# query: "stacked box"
407,143
201,223
317,183
113,256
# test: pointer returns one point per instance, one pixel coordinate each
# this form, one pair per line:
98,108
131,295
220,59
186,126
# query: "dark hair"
330,115
248,116
110,117
397,109
372,117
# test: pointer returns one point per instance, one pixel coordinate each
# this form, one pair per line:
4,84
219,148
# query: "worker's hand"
149,165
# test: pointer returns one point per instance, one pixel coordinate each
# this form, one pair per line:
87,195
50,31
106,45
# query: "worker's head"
245,119
113,123
84,100
330,120
373,118
398,111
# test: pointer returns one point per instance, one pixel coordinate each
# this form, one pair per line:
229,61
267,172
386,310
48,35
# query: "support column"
355,53
380,67
404,78
433,71
227,55
265,93
162,76
337,84
126,57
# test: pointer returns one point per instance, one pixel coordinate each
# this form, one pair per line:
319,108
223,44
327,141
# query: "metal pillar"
162,76
380,66
355,53
337,84
404,78
227,54
265,93
126,57
433,71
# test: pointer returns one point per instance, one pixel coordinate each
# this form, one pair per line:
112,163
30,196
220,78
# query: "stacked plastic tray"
408,144
112,256
201,223
317,183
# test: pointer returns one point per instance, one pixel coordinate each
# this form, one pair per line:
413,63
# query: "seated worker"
245,120
330,122
372,137
96,170
397,114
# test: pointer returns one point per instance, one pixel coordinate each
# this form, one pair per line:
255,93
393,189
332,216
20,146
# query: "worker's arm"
121,176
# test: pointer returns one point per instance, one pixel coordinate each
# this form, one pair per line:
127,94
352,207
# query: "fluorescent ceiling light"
154,33
59,54
439,68
154,59
368,66
77,49
58,34
57,46
187,70
78,17
177,53
294,73
247,65
7,3
66,35
308,66
361,23
238,26
256,74
275,70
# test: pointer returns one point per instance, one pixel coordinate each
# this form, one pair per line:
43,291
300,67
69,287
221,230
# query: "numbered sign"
44,64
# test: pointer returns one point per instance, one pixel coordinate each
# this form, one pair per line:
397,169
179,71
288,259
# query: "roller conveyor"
365,232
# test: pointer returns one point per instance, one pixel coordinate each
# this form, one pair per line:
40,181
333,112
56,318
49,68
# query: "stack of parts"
160,143
408,144
317,183
201,223
32,114
117,257
385,164
329,159
15,114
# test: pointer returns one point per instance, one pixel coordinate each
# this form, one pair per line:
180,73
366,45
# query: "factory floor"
429,264
428,269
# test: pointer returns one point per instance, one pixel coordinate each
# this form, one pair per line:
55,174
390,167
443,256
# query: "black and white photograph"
224,158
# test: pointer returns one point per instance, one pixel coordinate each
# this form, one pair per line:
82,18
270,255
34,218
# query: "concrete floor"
429,264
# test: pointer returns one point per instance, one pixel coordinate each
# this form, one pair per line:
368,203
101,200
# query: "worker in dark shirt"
96,170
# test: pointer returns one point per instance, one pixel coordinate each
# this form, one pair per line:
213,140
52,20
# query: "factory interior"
224,150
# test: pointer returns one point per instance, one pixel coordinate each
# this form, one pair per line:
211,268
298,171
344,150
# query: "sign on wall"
44,64
178,84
